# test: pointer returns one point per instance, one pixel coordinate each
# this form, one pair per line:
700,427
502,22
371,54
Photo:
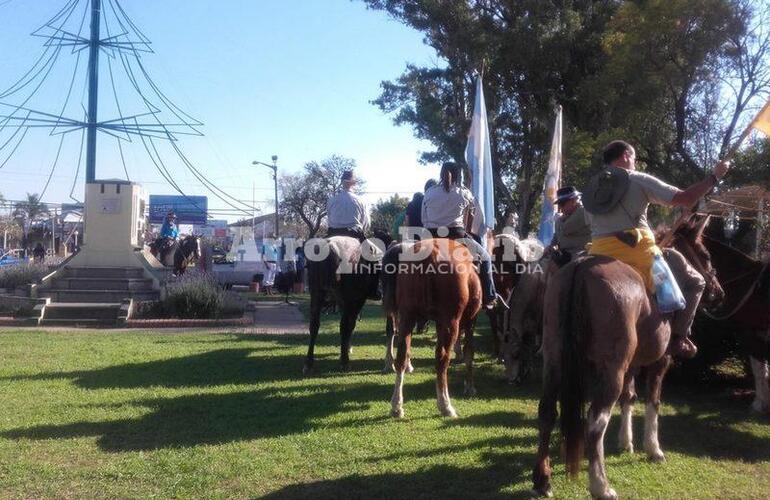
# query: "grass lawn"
93,414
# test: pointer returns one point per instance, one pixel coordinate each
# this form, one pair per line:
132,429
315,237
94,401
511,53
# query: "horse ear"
700,227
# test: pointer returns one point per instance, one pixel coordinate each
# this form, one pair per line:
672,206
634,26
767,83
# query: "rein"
743,301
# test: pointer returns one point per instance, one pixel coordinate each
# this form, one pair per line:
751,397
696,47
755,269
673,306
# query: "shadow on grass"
220,418
439,481
207,369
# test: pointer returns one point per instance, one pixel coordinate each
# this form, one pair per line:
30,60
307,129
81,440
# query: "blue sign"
188,209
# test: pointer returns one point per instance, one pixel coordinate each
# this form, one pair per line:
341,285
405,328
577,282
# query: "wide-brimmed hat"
567,193
605,190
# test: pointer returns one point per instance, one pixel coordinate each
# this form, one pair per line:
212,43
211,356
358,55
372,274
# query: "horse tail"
389,275
572,396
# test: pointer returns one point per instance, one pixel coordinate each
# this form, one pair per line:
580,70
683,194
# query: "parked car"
10,258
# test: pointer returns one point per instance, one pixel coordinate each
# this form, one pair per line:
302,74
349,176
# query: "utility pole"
274,168
93,90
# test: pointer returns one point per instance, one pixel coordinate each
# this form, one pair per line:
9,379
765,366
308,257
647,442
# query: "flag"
762,121
551,184
478,155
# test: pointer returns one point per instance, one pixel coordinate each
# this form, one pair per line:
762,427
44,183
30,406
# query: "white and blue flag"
550,185
478,155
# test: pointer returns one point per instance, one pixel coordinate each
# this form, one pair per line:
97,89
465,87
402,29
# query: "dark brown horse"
345,273
602,329
178,254
439,284
745,309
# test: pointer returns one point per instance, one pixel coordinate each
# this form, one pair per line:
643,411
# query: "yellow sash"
640,256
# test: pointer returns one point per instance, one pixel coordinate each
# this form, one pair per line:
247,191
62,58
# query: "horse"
345,272
745,309
180,254
436,281
520,278
604,327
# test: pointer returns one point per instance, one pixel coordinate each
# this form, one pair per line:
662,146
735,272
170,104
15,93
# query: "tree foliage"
384,213
304,195
27,212
678,78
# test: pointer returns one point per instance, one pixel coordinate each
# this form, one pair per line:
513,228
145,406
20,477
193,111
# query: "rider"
616,200
169,228
447,209
347,213
573,231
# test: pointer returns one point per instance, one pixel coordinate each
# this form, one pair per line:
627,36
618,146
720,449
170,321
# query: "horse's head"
191,248
511,257
688,240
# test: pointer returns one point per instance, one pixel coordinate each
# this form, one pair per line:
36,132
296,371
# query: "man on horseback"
616,200
573,231
169,232
348,215
447,210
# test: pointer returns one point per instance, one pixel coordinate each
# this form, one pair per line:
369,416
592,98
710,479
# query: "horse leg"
389,344
458,348
470,386
546,419
761,374
655,375
316,300
447,335
404,343
609,388
627,399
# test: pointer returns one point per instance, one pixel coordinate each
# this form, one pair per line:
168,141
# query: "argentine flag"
551,184
478,155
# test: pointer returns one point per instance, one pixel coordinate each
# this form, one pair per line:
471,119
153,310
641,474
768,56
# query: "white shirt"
446,208
346,210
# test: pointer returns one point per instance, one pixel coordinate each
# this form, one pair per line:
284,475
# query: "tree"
26,213
304,195
675,77
384,213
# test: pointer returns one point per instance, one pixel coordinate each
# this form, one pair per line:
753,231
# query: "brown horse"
440,284
604,328
745,309
179,253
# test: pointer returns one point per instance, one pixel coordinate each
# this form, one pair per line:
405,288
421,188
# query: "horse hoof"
397,413
409,367
629,448
608,495
449,413
656,457
388,369
307,370
758,408
546,493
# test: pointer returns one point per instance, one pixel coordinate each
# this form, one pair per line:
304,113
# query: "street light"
274,168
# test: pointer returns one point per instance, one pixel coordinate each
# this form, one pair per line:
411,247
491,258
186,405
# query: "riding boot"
692,285
490,297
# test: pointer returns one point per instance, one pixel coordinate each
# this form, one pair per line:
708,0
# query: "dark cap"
566,193
349,176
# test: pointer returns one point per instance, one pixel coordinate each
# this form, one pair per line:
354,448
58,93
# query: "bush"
199,296
21,274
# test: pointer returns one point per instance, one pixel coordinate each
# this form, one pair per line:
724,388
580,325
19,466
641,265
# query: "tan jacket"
573,232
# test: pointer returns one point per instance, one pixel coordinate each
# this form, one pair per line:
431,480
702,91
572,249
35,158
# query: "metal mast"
93,91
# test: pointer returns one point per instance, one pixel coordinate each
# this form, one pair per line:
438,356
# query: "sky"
292,78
